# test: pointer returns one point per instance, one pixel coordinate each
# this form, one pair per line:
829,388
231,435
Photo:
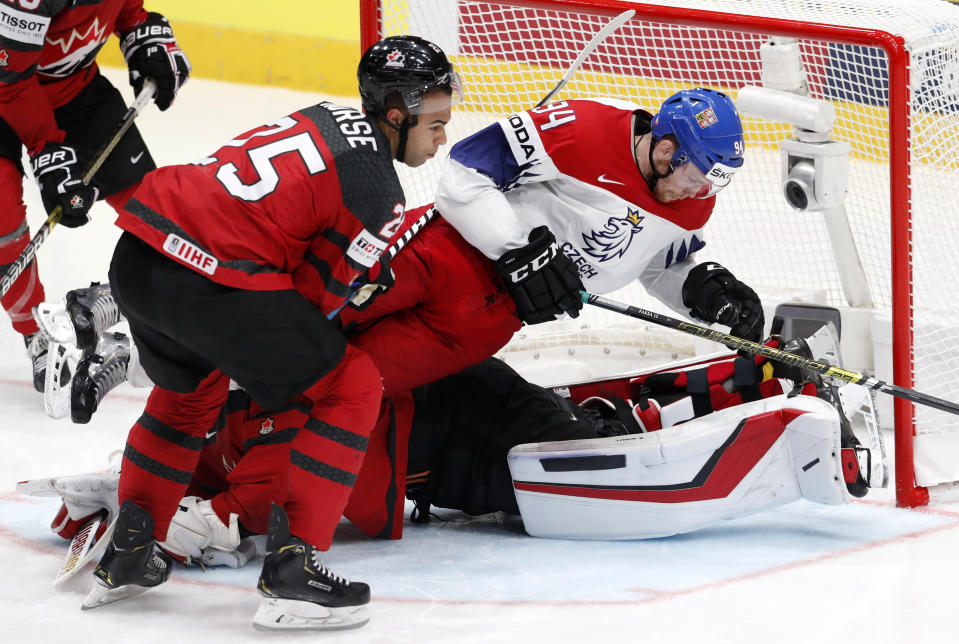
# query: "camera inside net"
814,174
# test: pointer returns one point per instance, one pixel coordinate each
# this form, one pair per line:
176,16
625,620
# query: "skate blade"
101,595
294,615
55,323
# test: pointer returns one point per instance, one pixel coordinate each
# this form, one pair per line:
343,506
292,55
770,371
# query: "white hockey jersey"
570,166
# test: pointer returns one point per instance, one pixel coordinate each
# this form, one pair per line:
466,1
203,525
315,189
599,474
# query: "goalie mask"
408,66
709,133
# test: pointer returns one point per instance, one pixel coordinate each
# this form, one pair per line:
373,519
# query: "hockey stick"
755,348
26,257
600,36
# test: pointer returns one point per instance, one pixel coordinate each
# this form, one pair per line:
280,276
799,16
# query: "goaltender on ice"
657,453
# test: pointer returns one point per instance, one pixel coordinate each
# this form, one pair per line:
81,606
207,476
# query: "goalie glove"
713,294
84,497
151,51
542,281
196,528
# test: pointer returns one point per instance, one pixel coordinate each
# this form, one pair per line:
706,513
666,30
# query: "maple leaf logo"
394,58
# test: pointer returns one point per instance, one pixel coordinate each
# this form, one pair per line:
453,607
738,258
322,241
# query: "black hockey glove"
55,169
366,294
541,279
714,295
151,51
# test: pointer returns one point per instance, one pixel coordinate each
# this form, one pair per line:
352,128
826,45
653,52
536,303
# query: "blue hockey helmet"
707,127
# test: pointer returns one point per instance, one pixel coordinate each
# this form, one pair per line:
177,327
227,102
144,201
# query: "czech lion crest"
614,239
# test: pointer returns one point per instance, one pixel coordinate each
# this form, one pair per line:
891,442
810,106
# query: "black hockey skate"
97,374
81,317
299,592
132,562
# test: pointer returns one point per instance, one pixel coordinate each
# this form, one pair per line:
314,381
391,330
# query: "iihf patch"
395,59
706,118
4,56
190,254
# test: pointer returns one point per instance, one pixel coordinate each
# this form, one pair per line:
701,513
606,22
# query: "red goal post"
890,75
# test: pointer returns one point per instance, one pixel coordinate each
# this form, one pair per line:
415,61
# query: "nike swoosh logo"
136,158
602,179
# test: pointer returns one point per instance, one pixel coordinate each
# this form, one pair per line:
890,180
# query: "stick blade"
84,547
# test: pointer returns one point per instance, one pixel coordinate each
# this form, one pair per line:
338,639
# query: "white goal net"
890,75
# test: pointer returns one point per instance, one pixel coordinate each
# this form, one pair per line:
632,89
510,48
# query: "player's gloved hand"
541,279
381,279
57,173
713,294
151,51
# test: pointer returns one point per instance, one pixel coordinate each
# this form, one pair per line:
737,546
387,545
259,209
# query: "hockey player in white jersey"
624,194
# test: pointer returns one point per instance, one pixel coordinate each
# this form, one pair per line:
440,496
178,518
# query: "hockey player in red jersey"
56,104
228,269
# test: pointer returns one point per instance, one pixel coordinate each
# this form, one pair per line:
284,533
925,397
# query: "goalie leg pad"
729,464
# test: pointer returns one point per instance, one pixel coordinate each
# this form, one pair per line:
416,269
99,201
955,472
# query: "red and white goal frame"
890,74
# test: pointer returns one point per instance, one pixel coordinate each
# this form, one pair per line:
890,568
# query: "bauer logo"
706,118
366,248
22,27
189,254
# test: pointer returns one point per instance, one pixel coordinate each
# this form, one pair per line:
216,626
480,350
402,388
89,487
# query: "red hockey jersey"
47,52
309,201
447,311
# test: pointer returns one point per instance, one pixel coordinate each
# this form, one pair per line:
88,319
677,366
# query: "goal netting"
890,74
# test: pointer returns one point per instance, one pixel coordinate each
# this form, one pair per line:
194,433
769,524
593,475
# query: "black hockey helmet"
406,65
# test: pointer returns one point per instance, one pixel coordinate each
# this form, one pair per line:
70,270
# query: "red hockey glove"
67,527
